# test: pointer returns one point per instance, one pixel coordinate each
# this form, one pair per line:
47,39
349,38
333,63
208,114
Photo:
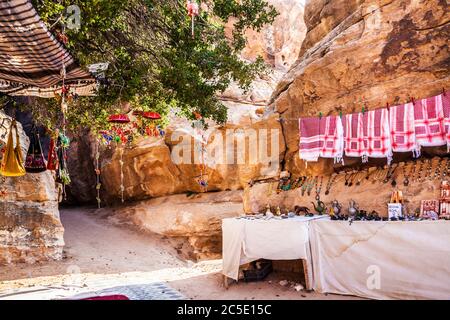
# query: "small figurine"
278,212
352,208
268,212
298,210
320,208
335,211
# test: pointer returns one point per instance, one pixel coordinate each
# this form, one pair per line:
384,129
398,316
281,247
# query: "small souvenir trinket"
268,213
352,208
278,212
298,210
320,207
336,210
429,209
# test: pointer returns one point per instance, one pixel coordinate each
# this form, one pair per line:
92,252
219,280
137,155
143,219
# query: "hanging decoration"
193,11
52,159
35,161
98,185
119,129
380,132
62,174
12,162
199,130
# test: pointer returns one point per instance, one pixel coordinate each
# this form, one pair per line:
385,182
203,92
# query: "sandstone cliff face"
30,228
372,52
355,52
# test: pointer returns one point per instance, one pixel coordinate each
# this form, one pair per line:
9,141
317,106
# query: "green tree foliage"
154,62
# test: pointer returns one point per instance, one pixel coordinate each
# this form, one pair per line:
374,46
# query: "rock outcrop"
359,53
355,52
195,221
30,228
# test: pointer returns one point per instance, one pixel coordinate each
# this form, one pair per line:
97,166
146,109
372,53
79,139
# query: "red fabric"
321,137
429,122
446,109
367,135
332,136
110,297
353,135
311,140
376,137
401,120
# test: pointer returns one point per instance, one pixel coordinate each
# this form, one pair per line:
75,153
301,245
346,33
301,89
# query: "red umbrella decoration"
151,129
119,129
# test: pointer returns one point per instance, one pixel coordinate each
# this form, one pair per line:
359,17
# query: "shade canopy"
31,59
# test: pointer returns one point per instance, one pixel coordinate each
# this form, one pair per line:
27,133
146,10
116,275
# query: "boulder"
194,220
30,227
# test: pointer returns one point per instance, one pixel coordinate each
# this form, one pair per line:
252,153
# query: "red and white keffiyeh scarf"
353,135
446,109
376,135
321,137
367,135
429,122
401,121
333,138
310,139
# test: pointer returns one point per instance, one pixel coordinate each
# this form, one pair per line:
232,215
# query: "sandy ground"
101,255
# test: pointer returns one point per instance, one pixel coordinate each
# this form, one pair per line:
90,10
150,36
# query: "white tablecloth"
248,240
412,258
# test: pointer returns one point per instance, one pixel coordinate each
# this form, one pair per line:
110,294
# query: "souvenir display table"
412,258
246,240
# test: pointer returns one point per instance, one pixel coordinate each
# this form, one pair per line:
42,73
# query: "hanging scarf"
311,141
401,121
12,162
376,137
353,135
52,163
332,134
429,122
446,108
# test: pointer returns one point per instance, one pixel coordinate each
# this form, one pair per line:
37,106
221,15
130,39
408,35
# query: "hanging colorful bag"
35,161
12,163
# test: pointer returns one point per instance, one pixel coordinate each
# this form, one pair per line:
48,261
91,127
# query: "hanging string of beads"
98,185
64,141
122,187
199,130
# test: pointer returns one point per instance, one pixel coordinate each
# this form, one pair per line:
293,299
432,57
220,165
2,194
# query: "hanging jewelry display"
311,185
330,182
418,172
319,187
437,171
390,171
406,175
445,170
428,171
306,185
